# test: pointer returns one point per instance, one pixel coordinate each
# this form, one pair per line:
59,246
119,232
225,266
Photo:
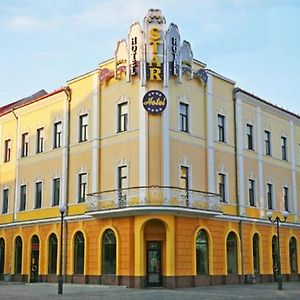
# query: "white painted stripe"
294,175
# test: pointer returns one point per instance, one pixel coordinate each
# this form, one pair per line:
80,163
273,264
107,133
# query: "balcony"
153,200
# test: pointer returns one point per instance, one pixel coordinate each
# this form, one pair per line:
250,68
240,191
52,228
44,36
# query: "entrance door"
35,246
154,263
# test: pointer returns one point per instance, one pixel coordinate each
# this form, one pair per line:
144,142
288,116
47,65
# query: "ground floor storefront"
150,250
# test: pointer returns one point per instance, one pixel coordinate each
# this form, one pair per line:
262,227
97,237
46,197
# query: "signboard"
155,102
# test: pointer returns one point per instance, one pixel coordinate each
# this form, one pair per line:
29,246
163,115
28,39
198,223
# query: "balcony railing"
153,196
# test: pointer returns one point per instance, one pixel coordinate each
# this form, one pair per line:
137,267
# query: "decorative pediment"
121,58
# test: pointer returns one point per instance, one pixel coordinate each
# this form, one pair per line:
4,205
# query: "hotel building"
166,168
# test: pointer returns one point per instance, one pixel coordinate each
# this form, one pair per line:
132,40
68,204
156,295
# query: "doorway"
35,253
154,277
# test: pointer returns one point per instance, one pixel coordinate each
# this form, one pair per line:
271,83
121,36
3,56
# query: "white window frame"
82,171
121,100
35,193
273,195
254,191
60,196
5,188
253,136
225,127
81,114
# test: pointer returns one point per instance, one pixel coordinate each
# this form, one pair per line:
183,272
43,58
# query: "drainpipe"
66,169
237,182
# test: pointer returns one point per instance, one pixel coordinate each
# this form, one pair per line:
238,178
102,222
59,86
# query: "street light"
277,220
62,210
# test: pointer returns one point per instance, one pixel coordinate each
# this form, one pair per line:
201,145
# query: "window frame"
284,154
109,267
268,148
57,134
222,183
52,259
23,197
25,145
5,201
7,150
286,198
251,192
184,118
271,193
256,253
123,118
202,268
38,195
82,187
232,269
221,128
40,140
55,202
250,136
83,128
79,246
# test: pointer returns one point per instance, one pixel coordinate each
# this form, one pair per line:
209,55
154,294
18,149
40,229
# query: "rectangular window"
56,191
40,140
7,150
5,201
22,197
122,184
25,145
38,195
251,187
270,195
83,128
250,137
268,142
82,187
221,128
122,117
57,135
283,148
286,198
184,117
184,184
222,187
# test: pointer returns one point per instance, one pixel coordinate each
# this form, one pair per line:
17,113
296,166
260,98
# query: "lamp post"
277,220
62,210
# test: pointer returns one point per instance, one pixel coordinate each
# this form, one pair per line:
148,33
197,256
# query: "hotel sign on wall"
155,102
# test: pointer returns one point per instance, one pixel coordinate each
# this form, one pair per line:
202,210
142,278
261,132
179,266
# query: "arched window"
52,254
231,246
275,256
79,253
109,247
202,258
255,251
18,255
293,255
2,256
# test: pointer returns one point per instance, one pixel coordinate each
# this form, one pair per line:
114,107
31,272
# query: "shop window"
79,253
231,247
255,252
202,254
52,255
293,255
18,255
109,250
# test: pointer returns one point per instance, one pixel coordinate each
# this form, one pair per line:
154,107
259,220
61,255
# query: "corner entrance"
154,277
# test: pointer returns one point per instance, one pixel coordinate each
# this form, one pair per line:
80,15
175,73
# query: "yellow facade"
174,198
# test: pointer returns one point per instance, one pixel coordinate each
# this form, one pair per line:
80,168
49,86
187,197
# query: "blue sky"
256,43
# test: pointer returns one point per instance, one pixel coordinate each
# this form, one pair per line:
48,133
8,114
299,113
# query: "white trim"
143,138
210,135
260,199
166,141
294,173
96,135
240,157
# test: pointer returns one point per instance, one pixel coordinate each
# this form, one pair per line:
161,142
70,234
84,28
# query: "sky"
256,43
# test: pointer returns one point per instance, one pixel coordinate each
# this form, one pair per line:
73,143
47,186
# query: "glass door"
154,263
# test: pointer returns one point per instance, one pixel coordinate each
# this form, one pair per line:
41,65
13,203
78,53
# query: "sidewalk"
291,290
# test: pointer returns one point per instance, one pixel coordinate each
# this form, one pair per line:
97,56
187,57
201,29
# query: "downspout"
237,184
66,163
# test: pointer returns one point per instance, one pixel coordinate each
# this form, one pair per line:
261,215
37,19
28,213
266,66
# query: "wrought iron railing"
153,196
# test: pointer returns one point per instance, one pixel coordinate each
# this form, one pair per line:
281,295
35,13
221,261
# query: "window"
57,135
18,255
79,253
268,142
293,255
122,184
52,256
184,183
283,148
56,191
38,195
275,256
109,252
25,145
222,187
250,137
184,117
7,150
270,195
122,117
83,128
82,187
231,247
221,128
286,198
23,197
202,255
40,140
255,252
251,188
5,201
2,256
